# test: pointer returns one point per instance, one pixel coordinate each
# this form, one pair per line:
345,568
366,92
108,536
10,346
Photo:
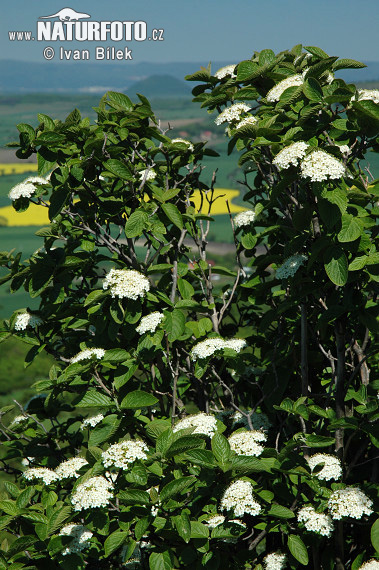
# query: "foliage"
286,354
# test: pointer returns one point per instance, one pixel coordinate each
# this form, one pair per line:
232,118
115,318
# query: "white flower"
87,354
291,81
203,423
274,561
93,493
238,498
19,419
290,266
36,180
344,149
370,565
183,141
232,113
319,166
290,155
123,453
149,173
24,320
246,442
208,347
93,421
150,322
368,95
80,536
329,77
315,522
22,190
332,468
250,120
47,475
27,461
127,283
70,467
225,71
349,502
244,218
214,521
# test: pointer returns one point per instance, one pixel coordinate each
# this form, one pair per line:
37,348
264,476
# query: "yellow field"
17,168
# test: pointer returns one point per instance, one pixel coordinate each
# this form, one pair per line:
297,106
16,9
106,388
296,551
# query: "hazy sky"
211,30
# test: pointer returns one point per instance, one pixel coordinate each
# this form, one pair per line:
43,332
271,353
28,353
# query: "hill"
160,86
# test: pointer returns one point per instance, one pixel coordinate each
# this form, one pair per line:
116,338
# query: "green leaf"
56,520
160,561
115,355
246,70
175,323
298,549
12,489
173,214
319,441
375,535
202,457
24,497
185,288
136,223
221,448
21,544
183,444
318,52
9,508
134,497
199,530
141,527
348,64
252,464
336,265
278,511
114,541
46,120
312,89
121,99
103,431
183,526
351,228
118,168
95,399
176,487
266,56
138,399
94,296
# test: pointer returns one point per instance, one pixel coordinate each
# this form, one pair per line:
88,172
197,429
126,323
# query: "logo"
66,15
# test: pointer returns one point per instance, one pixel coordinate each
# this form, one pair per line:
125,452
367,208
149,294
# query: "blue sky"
213,30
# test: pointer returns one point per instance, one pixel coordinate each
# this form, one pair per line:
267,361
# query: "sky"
207,30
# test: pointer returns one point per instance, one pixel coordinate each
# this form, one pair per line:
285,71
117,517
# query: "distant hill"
160,86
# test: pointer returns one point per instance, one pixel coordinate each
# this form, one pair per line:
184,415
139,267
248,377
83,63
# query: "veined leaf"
138,399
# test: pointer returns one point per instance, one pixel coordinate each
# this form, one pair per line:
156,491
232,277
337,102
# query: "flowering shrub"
183,425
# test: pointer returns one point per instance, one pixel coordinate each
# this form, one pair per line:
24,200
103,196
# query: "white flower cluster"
93,421
232,113
70,467
247,121
332,466
370,565
290,266
203,423
315,522
238,498
291,155
27,188
87,354
368,95
227,70
127,283
80,536
47,475
349,502
24,320
123,453
259,421
93,493
244,218
19,419
214,521
274,561
344,149
183,141
208,347
246,442
291,81
27,461
150,322
150,174
319,166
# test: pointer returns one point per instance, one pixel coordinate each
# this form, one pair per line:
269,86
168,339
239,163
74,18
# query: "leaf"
21,544
199,530
141,527
94,296
348,64
175,323
95,399
160,561
118,168
298,549
183,526
173,214
175,487
281,512
24,497
312,89
318,52
9,508
46,120
103,431
136,223
351,229
336,265
115,355
221,448
246,70
58,517
12,488
319,441
183,444
138,399
134,497
121,99
375,535
185,288
114,541
253,464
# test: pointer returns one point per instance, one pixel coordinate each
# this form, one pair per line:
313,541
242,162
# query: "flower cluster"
349,502
127,283
80,536
259,421
344,149
315,522
232,113
148,173
238,498
291,155
247,121
47,475
368,95
244,218
87,354
246,442
70,467
290,266
208,347
150,322
183,141
93,493
19,420
332,466
24,320
319,166
27,188
203,423
291,81
227,70
370,565
274,561
214,521
92,421
123,453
